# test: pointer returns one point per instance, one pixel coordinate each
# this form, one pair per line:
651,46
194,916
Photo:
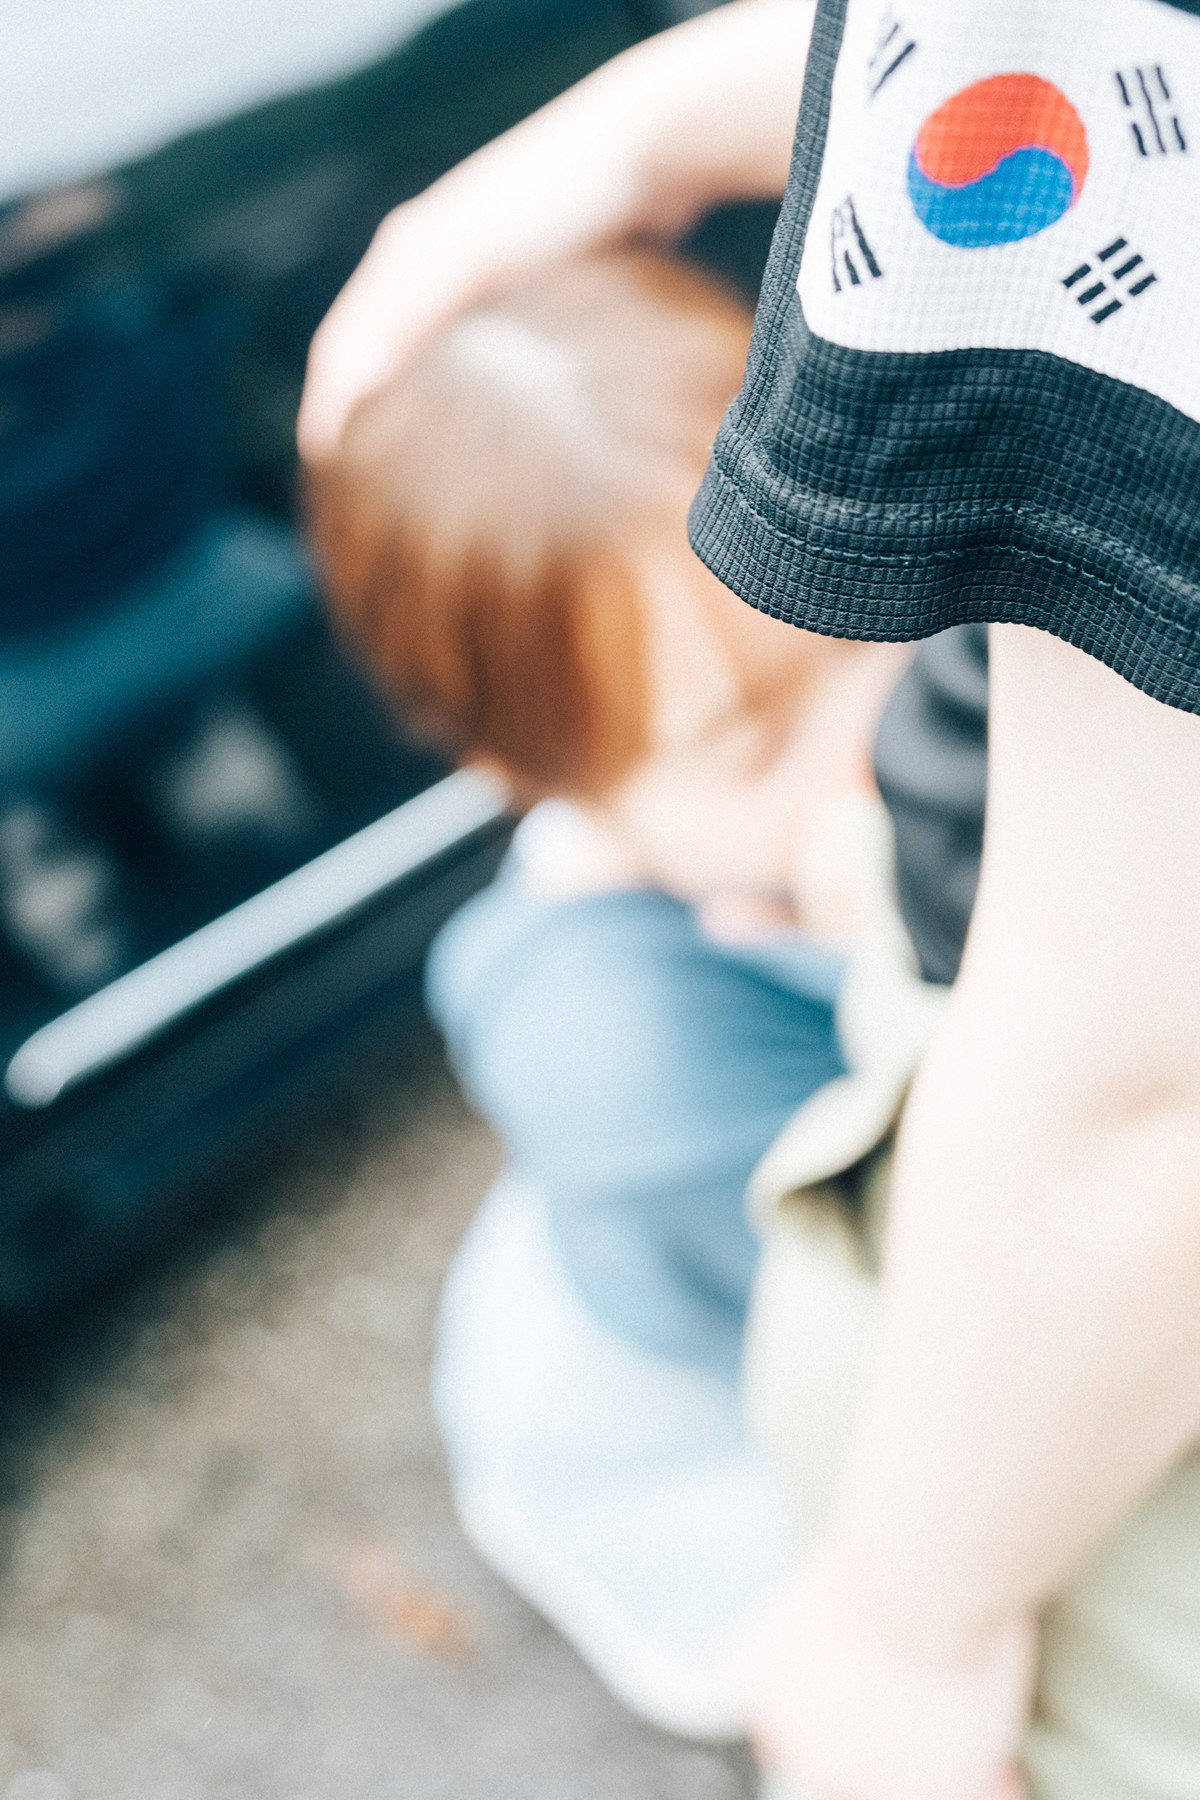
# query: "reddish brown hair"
483,522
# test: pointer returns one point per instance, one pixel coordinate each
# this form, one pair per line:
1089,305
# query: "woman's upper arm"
1087,904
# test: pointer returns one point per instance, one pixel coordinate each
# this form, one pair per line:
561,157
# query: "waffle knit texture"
974,385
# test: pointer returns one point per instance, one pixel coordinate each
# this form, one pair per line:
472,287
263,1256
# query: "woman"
1038,1368
646,994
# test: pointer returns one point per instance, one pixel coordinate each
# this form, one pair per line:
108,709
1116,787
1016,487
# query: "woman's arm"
1039,1363
697,115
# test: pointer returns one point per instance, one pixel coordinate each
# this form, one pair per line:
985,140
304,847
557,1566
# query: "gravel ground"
230,1567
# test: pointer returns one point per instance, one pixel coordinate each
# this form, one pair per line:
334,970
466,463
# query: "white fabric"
932,295
616,1491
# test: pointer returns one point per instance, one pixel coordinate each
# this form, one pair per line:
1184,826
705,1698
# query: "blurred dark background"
232,1165
178,732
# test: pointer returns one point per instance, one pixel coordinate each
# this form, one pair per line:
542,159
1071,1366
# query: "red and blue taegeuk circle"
999,161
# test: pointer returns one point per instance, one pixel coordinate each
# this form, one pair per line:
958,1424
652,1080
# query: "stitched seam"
897,558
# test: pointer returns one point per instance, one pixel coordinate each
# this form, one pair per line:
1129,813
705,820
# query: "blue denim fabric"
636,1071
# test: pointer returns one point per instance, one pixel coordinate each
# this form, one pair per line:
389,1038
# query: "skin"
697,115
1039,1366
725,809
1039,1362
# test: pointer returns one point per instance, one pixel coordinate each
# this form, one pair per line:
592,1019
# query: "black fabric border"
881,495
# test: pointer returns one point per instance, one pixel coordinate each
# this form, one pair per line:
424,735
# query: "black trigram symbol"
891,47
1101,290
1156,128
853,258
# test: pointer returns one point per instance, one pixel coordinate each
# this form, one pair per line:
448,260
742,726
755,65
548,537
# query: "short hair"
484,522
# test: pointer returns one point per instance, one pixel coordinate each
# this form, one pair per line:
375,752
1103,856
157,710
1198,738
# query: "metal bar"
117,1020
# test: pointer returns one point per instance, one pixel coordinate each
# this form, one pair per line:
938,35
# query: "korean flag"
1020,176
